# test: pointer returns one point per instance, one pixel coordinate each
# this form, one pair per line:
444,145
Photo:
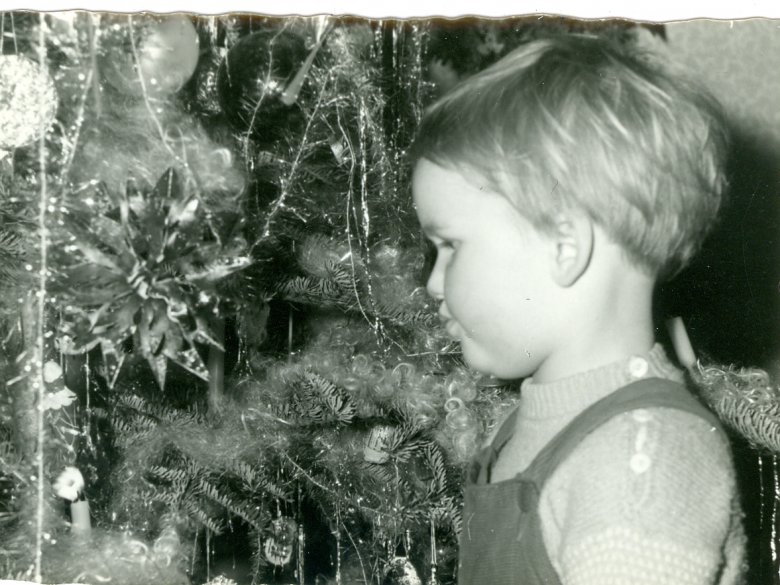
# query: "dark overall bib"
501,542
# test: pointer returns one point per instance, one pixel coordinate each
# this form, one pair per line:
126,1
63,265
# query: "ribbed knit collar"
576,393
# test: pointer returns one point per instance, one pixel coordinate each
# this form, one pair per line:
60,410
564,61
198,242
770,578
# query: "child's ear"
572,240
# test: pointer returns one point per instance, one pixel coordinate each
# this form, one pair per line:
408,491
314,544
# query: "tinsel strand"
357,552
434,578
419,54
776,501
88,408
288,180
761,494
91,77
351,210
366,216
13,34
93,28
152,115
299,519
38,358
164,136
208,554
338,548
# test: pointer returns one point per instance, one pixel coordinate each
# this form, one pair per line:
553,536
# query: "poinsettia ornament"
146,268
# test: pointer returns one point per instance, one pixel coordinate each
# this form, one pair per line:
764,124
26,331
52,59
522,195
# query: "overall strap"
483,464
646,393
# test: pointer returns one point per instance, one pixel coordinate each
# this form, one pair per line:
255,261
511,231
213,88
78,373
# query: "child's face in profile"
491,274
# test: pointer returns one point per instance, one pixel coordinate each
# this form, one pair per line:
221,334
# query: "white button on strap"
637,367
640,462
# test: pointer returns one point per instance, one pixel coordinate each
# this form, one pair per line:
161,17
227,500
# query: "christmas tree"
213,313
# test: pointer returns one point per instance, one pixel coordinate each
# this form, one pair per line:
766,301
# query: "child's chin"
488,365
478,362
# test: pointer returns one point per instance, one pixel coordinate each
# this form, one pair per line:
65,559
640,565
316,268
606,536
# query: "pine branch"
322,401
191,505
435,462
255,481
401,316
316,291
407,441
175,476
253,515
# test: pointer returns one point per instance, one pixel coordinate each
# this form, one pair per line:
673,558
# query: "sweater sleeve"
649,498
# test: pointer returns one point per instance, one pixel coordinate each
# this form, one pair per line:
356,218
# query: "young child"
559,186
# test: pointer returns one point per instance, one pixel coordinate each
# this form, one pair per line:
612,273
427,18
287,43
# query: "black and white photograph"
319,296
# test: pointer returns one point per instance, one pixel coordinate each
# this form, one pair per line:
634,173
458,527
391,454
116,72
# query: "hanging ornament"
301,553
259,83
377,444
400,570
57,394
280,542
70,486
221,580
336,532
206,95
147,275
434,578
157,54
28,101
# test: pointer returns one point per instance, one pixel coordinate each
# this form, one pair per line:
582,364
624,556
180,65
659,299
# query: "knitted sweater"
647,499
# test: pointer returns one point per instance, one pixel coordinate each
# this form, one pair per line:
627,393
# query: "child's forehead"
447,200
456,177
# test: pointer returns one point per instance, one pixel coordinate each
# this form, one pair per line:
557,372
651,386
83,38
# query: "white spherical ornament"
159,59
401,571
28,101
221,580
51,371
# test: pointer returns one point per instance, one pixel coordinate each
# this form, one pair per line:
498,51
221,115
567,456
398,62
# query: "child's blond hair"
580,122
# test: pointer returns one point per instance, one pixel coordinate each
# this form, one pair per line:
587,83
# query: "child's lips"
448,324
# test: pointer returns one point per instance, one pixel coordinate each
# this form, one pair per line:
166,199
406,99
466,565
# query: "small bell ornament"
280,542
